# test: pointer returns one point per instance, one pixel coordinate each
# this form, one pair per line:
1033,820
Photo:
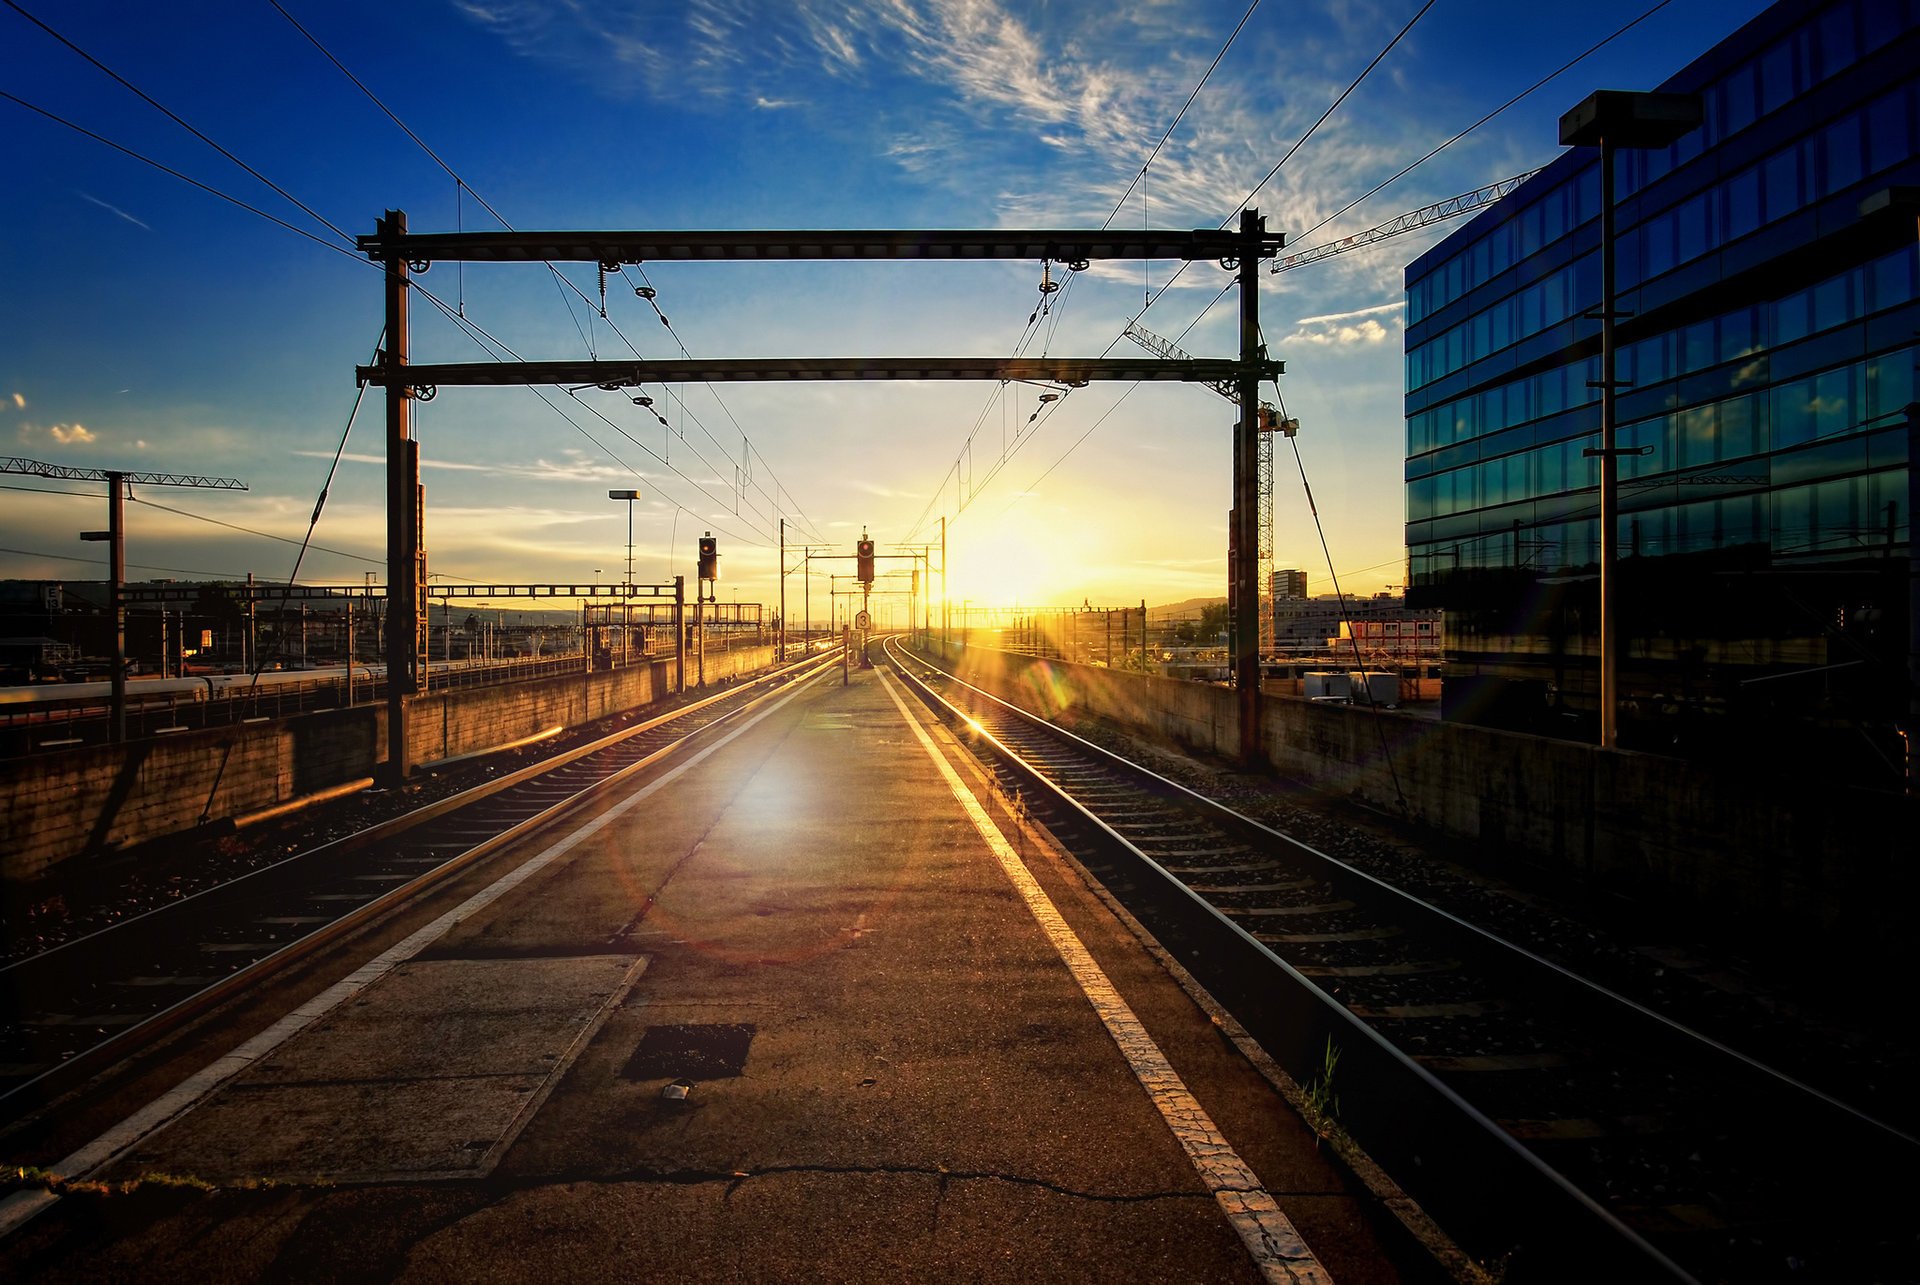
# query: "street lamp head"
623,495
1627,118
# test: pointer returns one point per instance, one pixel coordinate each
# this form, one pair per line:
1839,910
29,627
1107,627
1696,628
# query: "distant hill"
1188,609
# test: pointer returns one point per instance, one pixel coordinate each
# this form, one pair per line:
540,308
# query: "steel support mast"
403,510
1246,500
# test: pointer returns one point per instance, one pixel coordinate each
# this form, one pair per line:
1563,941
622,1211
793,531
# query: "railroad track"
1558,1130
67,1012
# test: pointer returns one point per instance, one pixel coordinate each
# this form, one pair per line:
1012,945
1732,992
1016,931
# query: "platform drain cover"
690,1052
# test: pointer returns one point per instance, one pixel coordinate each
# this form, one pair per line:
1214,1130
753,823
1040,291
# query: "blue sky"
148,325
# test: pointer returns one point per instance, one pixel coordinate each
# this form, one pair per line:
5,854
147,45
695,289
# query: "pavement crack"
734,1180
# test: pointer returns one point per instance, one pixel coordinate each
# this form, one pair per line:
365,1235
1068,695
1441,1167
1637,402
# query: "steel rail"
1397,1108
44,1087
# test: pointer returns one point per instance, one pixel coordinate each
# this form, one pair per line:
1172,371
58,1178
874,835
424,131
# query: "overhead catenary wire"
1530,90
494,347
1291,151
58,119
1050,311
178,120
1429,155
561,280
348,253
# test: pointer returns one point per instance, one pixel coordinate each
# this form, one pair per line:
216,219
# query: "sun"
1013,559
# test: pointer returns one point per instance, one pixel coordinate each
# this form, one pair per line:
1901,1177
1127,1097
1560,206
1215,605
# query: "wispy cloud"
1378,308
64,434
1036,113
111,208
19,401
1366,333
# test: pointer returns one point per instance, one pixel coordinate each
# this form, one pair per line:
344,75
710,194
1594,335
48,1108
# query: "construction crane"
1269,421
117,481
1451,208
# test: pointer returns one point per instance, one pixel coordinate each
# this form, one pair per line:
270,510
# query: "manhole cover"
715,1052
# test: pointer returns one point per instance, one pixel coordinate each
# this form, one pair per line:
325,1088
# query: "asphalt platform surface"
777,1014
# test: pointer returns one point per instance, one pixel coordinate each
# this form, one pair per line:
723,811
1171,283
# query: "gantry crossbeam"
627,374
614,247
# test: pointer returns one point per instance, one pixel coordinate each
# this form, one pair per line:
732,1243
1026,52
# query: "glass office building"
1766,354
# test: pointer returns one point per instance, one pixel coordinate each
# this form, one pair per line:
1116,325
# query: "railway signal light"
709,557
864,551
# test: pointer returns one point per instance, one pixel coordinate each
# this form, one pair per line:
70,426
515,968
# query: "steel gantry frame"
1239,250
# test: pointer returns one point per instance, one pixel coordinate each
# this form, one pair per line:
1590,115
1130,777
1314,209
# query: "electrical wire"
192,182
1564,68
138,566
562,282
264,535
1148,163
1052,312
176,119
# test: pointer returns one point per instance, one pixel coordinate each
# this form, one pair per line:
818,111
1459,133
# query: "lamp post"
1611,119
629,497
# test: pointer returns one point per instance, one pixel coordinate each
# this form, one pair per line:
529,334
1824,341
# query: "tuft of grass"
1321,1104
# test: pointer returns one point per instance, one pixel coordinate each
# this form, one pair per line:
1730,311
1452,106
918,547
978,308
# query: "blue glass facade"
1767,357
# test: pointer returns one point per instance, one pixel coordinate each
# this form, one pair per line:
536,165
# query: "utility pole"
782,639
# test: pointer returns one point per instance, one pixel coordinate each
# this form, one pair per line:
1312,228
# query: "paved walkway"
799,1009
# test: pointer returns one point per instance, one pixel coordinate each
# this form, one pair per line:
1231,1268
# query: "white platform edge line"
22,1206
1276,1247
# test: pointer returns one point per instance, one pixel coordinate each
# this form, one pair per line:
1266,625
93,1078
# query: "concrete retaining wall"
62,804
1750,858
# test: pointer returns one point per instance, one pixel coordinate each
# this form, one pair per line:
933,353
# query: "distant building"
1288,584
1323,626
1768,344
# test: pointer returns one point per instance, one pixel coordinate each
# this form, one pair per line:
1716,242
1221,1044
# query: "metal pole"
680,632
1609,466
1246,499
1913,600
946,592
116,597
402,479
781,637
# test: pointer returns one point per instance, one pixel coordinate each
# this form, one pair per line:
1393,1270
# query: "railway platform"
797,1005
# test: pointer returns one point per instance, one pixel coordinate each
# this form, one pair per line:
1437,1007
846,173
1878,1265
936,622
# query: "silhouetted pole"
680,632
403,472
117,597
1913,600
1246,500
